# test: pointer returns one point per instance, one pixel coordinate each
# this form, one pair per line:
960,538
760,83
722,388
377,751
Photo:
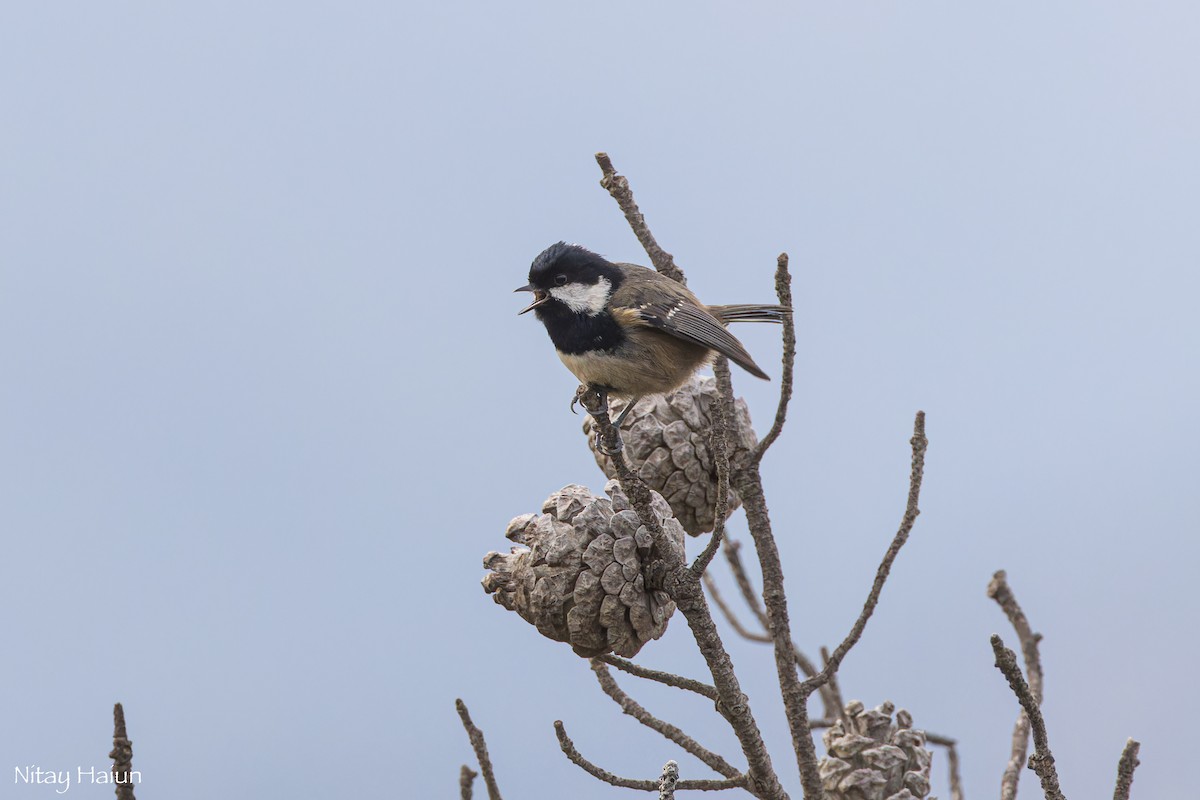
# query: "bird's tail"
748,312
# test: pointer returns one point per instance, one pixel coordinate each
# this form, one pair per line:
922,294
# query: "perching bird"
628,330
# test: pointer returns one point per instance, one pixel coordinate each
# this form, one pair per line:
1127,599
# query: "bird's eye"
560,280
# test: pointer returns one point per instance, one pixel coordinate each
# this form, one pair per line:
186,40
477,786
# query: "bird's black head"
567,278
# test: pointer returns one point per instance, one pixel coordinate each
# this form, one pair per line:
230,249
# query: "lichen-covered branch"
665,678
783,290
618,187
669,731
122,756
999,590
481,751
575,757
1042,760
667,782
1125,768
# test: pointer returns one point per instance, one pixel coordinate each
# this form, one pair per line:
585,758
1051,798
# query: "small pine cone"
580,576
871,758
668,439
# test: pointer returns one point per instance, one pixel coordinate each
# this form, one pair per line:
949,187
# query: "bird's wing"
685,320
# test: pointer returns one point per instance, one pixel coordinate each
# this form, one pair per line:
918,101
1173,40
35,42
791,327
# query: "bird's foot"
610,448
594,399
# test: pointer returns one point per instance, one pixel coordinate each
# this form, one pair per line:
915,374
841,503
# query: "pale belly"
664,367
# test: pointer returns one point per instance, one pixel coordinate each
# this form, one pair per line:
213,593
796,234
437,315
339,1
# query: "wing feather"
685,320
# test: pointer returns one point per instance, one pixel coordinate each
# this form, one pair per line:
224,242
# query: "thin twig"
783,289
722,413
618,187
466,782
733,557
999,590
919,444
123,773
481,751
572,754
711,587
1042,760
1125,768
666,678
833,688
668,781
956,790
669,731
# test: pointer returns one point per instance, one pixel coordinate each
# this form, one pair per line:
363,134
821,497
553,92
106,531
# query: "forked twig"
481,751
575,757
1042,760
999,590
669,731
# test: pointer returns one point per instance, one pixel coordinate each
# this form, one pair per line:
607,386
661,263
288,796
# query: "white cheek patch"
584,298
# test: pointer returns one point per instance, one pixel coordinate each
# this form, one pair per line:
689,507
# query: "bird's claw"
603,447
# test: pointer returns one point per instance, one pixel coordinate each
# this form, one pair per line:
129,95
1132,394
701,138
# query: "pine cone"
870,758
580,578
667,439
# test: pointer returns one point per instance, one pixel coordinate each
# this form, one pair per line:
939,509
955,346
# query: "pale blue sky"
267,402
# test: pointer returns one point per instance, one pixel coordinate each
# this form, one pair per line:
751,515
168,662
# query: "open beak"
539,297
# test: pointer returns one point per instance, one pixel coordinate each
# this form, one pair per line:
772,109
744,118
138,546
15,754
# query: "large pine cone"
580,578
667,439
872,758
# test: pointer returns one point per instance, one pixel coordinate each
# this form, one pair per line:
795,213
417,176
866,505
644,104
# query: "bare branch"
572,754
466,781
919,445
999,590
618,187
666,678
795,702
783,290
733,557
683,586
1125,768
668,781
122,756
833,689
711,587
1042,760
722,413
956,790
481,751
635,710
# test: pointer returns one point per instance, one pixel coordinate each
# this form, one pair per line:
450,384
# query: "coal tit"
629,330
